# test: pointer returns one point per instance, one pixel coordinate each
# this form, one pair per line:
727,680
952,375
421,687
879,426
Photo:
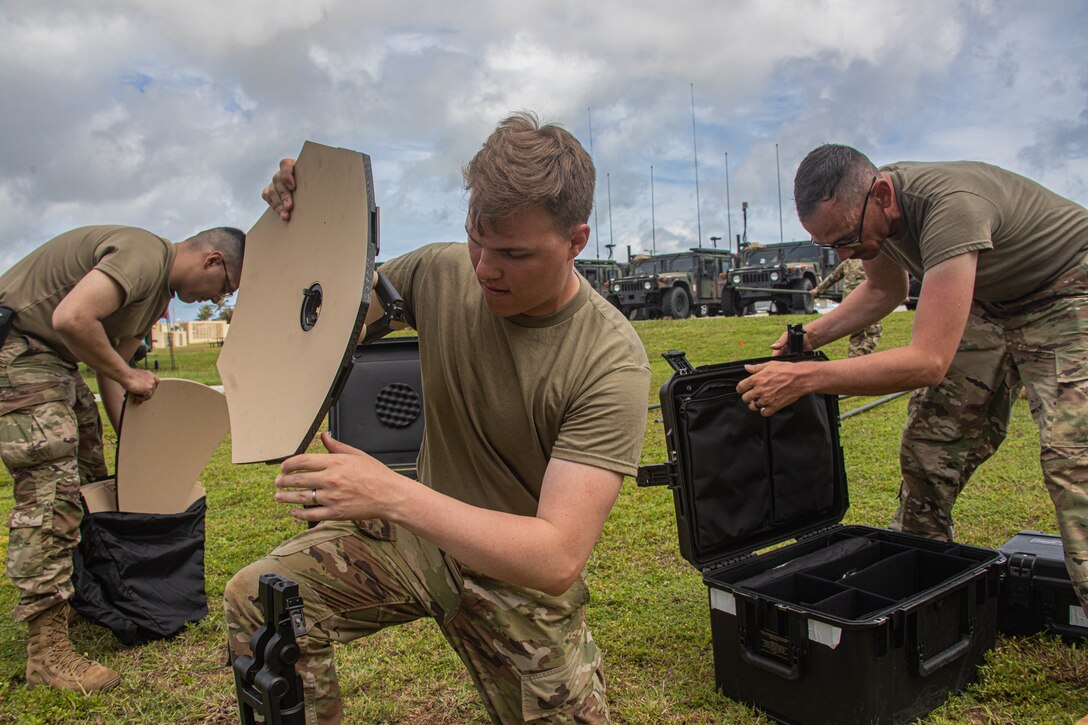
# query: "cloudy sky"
172,116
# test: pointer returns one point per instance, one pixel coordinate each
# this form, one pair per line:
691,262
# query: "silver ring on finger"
313,496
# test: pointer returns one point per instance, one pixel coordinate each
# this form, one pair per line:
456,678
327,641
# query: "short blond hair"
525,164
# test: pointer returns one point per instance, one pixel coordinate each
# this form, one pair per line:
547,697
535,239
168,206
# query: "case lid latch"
1021,570
661,474
678,361
795,339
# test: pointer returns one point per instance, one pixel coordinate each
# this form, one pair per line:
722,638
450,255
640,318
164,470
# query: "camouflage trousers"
530,655
1039,343
51,442
865,341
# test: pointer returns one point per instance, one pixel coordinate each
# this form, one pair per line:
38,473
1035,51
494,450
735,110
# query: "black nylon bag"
141,575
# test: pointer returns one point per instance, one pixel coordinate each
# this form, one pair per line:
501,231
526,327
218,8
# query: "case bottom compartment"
882,629
884,564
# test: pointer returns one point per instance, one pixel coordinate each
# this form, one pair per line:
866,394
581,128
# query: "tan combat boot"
52,660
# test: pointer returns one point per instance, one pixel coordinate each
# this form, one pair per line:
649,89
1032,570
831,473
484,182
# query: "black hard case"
849,624
1037,594
380,408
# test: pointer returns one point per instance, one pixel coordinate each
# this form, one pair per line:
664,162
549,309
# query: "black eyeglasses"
227,290
861,224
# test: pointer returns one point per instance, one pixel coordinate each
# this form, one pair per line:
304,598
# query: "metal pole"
611,241
728,207
596,237
744,213
695,149
875,403
653,223
781,233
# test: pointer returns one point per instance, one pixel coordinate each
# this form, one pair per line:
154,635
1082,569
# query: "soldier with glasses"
88,295
1004,306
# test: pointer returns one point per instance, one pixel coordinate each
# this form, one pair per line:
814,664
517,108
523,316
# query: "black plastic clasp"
1021,569
795,339
393,304
678,361
661,474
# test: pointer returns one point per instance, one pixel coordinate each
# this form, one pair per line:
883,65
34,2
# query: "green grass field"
649,609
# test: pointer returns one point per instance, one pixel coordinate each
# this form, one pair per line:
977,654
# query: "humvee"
600,273
763,269
673,285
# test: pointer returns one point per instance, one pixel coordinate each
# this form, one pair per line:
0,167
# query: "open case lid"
303,296
164,445
742,481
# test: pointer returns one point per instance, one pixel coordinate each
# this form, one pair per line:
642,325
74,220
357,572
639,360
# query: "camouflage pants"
51,441
865,341
1040,343
530,655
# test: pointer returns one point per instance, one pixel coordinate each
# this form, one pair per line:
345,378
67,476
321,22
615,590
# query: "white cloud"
173,116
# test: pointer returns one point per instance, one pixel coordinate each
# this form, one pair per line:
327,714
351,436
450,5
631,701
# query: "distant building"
180,334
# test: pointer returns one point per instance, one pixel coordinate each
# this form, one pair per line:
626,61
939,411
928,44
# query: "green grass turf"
649,609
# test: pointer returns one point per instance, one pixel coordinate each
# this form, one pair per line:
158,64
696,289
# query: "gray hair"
228,241
830,172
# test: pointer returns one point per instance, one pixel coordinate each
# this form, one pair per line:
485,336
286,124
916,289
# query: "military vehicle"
673,285
600,273
763,269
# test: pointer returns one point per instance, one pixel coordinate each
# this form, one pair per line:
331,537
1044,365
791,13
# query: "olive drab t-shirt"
137,260
1025,234
503,396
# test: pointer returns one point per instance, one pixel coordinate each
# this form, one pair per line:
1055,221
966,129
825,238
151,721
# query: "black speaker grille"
397,405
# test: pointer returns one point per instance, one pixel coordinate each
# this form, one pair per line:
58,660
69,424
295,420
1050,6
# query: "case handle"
748,626
929,665
791,671
1064,630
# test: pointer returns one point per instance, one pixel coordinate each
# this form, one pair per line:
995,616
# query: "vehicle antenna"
653,223
611,241
596,236
695,150
728,207
778,170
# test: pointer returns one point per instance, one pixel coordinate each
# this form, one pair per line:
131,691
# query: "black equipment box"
380,408
1037,593
850,624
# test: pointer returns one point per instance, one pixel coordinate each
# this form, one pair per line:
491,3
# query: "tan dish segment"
164,445
277,375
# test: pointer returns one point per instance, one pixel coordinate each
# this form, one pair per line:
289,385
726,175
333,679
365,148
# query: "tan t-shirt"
137,260
501,397
1026,235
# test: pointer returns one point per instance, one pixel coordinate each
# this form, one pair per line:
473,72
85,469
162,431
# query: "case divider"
852,604
858,561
